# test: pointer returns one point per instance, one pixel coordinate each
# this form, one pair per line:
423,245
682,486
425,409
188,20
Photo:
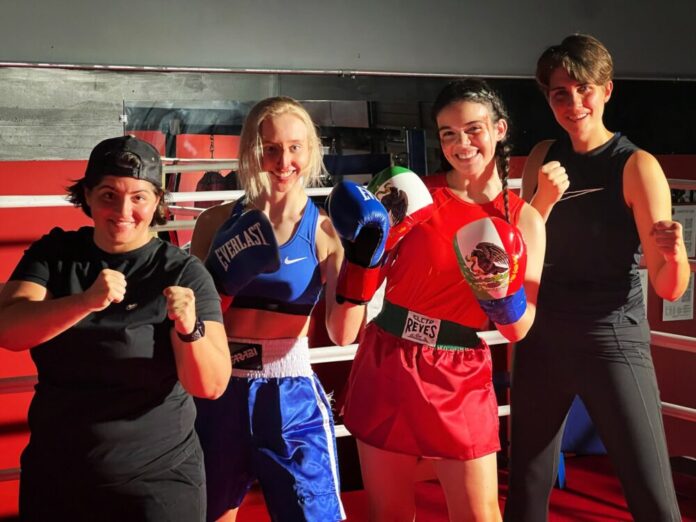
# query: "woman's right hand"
552,182
669,238
109,287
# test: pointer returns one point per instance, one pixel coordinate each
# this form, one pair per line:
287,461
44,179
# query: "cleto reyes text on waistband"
422,329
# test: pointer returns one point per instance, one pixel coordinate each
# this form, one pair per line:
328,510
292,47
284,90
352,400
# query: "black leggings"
611,369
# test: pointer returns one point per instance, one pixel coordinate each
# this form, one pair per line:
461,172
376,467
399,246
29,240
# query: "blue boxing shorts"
273,424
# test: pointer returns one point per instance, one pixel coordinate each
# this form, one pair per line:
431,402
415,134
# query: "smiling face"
468,136
122,209
285,154
578,106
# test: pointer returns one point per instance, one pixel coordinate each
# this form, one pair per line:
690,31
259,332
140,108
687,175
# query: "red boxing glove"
493,258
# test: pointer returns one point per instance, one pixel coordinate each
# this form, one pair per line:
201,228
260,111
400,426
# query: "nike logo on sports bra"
289,261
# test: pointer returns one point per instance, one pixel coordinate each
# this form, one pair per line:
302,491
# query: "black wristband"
197,333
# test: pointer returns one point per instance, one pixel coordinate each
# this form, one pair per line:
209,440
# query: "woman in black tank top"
604,201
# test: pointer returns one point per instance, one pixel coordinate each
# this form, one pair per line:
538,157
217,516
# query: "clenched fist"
668,237
181,308
552,181
109,287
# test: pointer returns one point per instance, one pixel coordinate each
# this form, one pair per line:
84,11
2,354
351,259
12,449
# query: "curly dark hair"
478,91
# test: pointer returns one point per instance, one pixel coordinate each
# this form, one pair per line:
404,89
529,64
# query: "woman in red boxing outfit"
421,385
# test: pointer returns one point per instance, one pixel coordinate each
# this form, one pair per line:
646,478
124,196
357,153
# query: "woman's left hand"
181,308
668,238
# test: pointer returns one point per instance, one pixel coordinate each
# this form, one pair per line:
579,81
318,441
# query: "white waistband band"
287,357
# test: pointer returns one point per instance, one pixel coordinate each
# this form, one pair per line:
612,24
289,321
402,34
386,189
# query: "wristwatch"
197,333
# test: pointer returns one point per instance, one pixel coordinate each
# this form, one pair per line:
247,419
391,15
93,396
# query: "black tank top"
592,245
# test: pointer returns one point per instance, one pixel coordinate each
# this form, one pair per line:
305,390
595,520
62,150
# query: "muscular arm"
29,316
343,321
543,184
531,167
646,192
531,226
204,366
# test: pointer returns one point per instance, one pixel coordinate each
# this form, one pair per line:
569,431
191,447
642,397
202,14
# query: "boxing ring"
318,355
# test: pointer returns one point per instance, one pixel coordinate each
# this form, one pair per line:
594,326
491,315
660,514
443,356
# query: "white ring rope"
227,195
178,210
328,354
673,341
317,355
175,197
198,166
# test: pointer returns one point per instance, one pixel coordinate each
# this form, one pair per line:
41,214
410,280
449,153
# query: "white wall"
648,38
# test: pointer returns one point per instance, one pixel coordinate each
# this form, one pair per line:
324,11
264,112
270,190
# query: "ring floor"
592,494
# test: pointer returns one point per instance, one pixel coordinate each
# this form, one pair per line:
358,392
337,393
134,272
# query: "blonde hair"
253,179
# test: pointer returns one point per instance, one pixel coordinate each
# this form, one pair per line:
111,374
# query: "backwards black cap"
125,156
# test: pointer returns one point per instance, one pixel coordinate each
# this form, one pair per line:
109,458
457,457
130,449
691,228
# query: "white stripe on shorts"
330,441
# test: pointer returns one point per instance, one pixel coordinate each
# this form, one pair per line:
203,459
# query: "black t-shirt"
108,403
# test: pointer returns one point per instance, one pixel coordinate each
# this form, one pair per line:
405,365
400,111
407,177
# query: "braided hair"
478,91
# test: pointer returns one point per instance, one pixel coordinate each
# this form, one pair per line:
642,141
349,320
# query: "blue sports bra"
295,287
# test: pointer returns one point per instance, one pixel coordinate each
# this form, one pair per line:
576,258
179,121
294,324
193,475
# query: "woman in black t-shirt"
123,329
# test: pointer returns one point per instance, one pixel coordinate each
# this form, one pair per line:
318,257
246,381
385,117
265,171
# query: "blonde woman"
272,253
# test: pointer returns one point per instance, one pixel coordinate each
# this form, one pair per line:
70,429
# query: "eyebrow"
113,188
562,88
472,122
270,142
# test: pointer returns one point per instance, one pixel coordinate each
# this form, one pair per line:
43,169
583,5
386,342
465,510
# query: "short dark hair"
582,56
125,156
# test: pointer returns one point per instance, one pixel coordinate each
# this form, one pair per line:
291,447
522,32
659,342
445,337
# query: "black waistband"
422,329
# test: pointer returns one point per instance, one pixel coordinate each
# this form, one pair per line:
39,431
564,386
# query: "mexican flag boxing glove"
406,198
492,257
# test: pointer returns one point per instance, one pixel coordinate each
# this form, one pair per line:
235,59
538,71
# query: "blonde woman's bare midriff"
262,324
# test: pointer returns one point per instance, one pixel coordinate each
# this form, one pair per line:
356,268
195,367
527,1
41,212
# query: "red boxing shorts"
422,400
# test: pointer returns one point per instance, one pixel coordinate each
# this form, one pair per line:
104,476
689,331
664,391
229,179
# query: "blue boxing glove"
362,223
242,249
